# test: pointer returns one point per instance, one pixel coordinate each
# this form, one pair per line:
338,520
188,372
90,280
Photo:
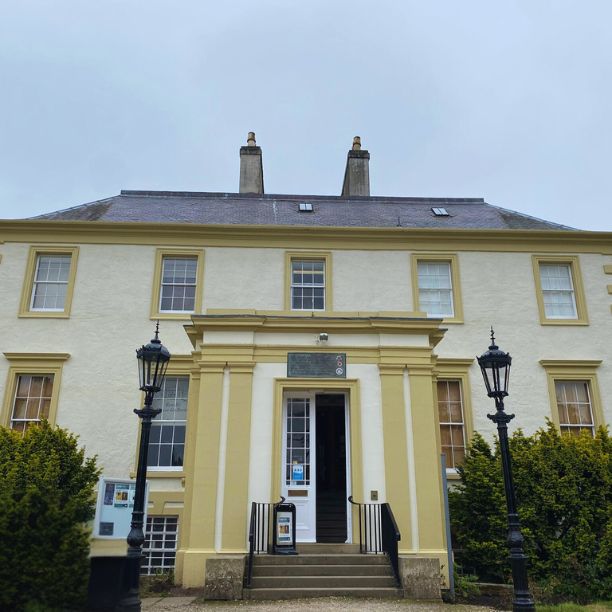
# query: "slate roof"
283,210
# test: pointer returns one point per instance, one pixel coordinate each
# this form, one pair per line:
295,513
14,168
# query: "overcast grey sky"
506,100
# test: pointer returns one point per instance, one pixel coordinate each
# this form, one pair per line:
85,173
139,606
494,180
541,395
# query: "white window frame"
297,260
450,461
571,290
566,427
159,422
169,256
29,421
448,290
167,552
37,282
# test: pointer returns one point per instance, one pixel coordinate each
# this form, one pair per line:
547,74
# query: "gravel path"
339,604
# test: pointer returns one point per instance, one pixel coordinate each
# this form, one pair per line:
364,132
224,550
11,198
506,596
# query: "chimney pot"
357,143
251,139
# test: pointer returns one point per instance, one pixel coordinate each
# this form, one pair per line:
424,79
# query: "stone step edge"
299,592
312,566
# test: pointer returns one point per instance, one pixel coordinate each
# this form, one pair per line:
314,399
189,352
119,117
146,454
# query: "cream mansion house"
322,347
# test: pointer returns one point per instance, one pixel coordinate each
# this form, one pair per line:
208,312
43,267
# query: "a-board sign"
114,508
316,365
283,542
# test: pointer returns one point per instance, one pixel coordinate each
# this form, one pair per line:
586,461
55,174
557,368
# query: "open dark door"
331,468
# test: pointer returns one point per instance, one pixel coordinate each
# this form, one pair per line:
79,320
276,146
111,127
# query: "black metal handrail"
260,530
378,532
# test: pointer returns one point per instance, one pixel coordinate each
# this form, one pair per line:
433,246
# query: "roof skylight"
440,212
305,207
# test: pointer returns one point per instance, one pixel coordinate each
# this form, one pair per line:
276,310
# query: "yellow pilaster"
235,499
197,540
426,459
395,448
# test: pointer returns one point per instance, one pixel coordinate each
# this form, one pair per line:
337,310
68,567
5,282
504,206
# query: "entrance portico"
256,432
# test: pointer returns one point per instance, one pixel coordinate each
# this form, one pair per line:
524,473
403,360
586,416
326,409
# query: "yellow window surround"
25,309
574,370
453,262
160,254
37,364
453,369
573,264
324,256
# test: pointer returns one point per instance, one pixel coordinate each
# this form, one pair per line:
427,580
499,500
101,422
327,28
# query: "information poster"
284,533
114,507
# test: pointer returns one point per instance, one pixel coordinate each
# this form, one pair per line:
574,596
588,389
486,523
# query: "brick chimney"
357,173
251,167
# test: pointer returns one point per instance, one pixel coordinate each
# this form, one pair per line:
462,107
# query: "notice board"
115,506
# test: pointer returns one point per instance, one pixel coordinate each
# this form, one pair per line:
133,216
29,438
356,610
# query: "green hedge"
564,492
46,497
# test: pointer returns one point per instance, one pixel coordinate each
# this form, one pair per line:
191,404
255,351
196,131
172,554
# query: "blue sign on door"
297,471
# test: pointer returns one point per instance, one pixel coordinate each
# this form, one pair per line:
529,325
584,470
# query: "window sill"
563,322
449,320
162,474
43,314
169,316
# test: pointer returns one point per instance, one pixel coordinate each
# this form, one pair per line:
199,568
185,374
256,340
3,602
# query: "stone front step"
363,569
326,570
322,582
327,549
309,559
298,593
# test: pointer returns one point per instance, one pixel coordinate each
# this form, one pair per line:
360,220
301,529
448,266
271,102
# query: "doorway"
315,459
331,468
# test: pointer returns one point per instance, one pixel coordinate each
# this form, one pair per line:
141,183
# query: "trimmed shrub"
564,493
46,497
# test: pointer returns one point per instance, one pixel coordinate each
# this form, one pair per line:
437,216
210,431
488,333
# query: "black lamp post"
153,361
495,366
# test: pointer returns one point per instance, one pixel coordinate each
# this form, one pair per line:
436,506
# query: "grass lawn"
600,606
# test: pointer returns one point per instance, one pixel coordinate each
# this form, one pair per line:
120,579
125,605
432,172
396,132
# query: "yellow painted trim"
155,295
36,358
325,256
450,258
427,458
313,314
28,282
99,547
152,473
351,387
32,363
166,503
278,353
607,268
305,237
574,265
609,288
238,444
333,324
395,447
201,463
582,370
